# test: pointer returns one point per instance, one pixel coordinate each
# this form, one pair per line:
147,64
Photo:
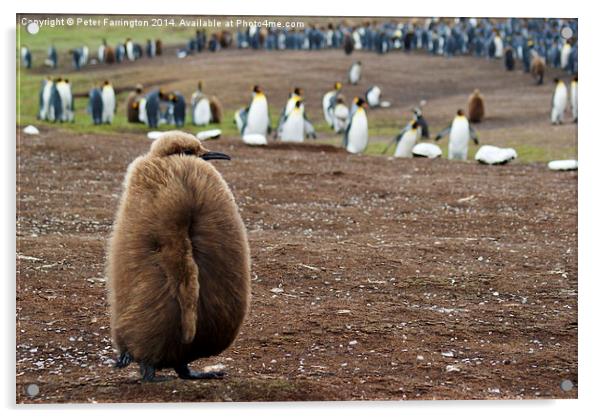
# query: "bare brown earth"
373,278
400,279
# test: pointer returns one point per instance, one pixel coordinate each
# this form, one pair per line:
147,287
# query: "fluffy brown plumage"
216,109
538,68
178,260
476,107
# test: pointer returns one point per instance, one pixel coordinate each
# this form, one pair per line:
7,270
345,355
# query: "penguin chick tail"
182,273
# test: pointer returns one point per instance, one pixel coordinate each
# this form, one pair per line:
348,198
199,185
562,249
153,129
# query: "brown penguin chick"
178,260
132,105
158,47
476,107
216,109
538,68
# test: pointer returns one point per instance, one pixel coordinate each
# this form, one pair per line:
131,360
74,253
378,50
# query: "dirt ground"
373,278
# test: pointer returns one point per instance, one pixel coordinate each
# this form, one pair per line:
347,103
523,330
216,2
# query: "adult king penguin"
292,128
95,105
108,102
64,90
355,72
459,132
26,57
328,103
559,102
406,141
296,96
178,108
574,98
257,117
205,109
355,140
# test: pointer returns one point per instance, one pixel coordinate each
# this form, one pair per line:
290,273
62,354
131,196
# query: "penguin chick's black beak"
214,155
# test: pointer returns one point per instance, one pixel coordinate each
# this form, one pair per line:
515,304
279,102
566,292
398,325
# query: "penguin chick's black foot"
185,373
124,360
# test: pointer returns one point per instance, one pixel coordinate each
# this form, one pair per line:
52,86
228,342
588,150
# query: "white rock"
214,368
385,104
452,368
210,134
277,290
562,165
447,354
31,130
254,139
488,154
426,150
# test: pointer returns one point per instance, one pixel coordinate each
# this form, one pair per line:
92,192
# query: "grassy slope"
64,37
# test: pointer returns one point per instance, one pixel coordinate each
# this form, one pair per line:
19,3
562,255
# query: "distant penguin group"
56,102
178,262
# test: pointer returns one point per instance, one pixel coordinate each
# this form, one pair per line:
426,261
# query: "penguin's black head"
106,83
200,85
256,89
359,63
460,112
181,143
556,80
415,125
360,102
66,80
298,91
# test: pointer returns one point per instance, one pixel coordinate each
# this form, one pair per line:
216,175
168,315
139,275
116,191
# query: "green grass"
67,37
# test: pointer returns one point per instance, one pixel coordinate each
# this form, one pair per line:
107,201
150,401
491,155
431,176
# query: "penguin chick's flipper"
124,360
185,373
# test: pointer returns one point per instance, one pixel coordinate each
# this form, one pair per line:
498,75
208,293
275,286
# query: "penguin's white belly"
101,53
564,56
559,104
354,74
65,94
325,107
373,97
142,110
257,118
341,116
201,114
499,47
293,127
44,113
426,150
108,105
489,154
405,145
357,137
458,140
